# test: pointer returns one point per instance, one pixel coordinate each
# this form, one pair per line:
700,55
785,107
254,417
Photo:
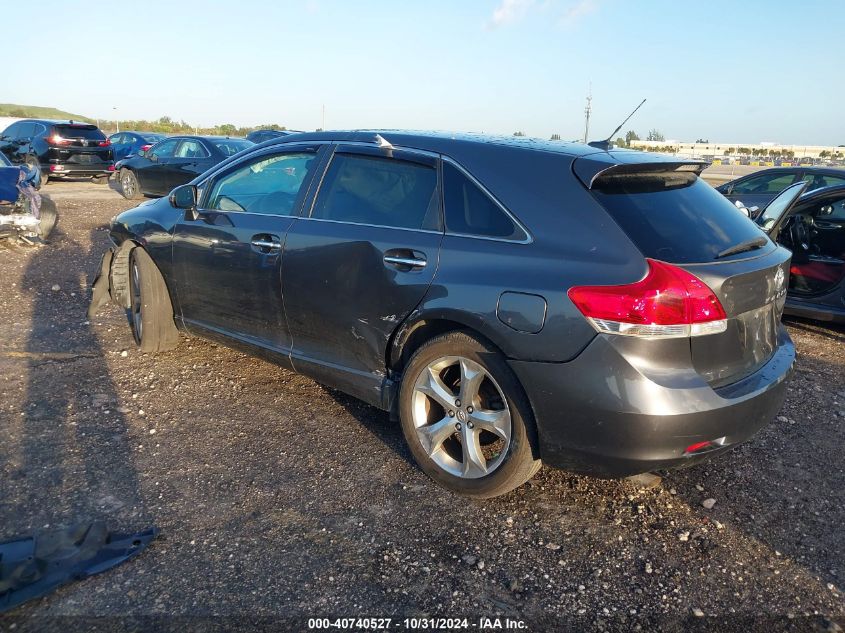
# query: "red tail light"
668,302
55,139
104,143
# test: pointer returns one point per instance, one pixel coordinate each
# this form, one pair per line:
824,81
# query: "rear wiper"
748,245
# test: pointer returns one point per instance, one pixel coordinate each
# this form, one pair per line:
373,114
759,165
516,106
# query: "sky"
751,71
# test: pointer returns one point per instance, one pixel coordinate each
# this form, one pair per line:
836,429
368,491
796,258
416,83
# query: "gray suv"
511,302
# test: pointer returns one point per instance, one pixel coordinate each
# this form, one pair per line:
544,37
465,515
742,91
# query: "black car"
815,233
174,161
59,148
259,136
509,301
759,188
125,144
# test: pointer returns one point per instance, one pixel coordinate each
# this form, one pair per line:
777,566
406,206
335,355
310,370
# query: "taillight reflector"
668,302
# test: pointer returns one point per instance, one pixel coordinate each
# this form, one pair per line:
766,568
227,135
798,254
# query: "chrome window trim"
374,226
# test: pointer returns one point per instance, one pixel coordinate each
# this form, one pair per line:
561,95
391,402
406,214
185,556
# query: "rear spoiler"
591,170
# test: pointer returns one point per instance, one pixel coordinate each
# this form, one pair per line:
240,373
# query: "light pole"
116,122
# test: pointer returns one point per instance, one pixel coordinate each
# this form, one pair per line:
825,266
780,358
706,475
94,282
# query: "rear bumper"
612,413
54,169
817,311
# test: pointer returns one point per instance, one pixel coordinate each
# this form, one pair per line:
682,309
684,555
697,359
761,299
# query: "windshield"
675,216
231,146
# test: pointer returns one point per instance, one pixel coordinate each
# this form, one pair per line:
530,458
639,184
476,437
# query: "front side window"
191,149
470,211
767,183
164,149
379,191
116,139
269,185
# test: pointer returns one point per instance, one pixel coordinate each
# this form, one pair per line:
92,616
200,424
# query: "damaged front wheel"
150,309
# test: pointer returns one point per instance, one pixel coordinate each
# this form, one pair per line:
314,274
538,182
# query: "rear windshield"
231,146
674,217
88,132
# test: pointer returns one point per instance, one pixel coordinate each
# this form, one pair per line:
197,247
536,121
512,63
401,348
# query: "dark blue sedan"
124,144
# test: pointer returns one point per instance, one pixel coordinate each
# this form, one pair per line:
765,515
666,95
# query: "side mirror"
185,197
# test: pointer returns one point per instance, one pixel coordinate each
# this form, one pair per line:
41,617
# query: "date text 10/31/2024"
418,624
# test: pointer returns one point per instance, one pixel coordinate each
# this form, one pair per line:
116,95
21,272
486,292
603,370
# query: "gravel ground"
280,500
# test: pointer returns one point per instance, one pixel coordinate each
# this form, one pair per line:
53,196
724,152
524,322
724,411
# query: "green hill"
38,112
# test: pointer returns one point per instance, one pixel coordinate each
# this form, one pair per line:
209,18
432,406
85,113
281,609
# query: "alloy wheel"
128,185
461,416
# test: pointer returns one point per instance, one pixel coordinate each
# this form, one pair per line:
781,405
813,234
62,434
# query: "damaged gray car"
25,215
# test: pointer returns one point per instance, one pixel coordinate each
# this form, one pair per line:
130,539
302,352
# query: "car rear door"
227,261
359,262
191,159
152,170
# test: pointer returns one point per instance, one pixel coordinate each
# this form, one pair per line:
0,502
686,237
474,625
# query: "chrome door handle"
405,261
267,244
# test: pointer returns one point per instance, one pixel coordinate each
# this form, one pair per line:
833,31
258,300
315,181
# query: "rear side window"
231,146
191,149
674,217
379,191
470,211
88,132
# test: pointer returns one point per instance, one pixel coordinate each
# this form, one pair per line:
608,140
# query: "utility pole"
116,122
587,112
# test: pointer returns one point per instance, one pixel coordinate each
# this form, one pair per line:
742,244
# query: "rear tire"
48,219
129,186
150,309
481,447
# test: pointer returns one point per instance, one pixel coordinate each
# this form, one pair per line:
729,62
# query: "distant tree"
519,133
620,142
727,152
555,137
824,153
655,135
630,135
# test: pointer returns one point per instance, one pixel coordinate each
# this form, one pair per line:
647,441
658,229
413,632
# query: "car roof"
60,122
436,141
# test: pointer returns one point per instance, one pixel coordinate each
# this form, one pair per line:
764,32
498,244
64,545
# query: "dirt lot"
279,500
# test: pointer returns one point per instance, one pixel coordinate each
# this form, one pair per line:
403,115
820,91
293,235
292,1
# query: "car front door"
360,262
190,160
152,173
227,261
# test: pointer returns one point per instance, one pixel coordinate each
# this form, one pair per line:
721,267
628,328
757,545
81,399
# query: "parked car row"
67,148
59,148
509,301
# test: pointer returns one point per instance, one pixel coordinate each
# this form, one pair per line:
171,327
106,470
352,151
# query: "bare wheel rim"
137,322
461,416
127,184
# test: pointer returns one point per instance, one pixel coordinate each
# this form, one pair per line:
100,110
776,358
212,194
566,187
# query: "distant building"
717,150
